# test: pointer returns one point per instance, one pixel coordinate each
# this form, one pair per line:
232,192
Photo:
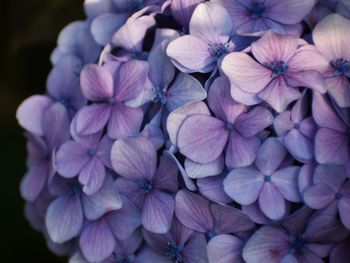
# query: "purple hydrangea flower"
282,66
254,17
270,182
135,159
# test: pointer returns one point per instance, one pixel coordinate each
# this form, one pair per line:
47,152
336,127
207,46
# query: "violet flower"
281,68
254,17
297,130
332,138
330,38
135,160
202,138
269,182
109,97
330,187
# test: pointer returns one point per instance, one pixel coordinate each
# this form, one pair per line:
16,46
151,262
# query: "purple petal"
103,152
30,113
96,83
64,218
184,89
244,185
92,176
305,177
255,214
331,175
202,138
251,123
134,158
92,119
344,211
197,170
244,97
245,72
271,201
105,200
270,156
225,249
241,151
71,158
130,245
97,241
338,89
258,27
299,146
131,189
286,180
193,211
191,54
33,182
147,255
306,78
318,196
210,22
212,188
165,178
94,8
340,251
183,10
195,250
124,121
158,211
283,123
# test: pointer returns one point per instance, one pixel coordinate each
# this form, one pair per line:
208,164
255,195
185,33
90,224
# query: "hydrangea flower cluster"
194,131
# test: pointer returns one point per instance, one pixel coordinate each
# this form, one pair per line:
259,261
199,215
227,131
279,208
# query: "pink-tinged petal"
244,185
283,123
71,158
64,218
225,249
165,178
221,102
306,78
274,47
191,54
270,156
96,83
271,201
243,97
197,170
184,89
134,158
92,176
286,180
124,221
158,212
241,151
106,199
297,10
195,250
124,121
245,72
177,117
331,175
324,115
251,123
211,21
213,189
193,211
130,35
331,147
279,95
344,211
33,182
318,196
97,241
104,26
339,89
301,147
183,10
30,113
130,79
267,245
330,37
202,138
92,119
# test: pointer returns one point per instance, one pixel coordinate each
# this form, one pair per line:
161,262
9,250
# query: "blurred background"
29,29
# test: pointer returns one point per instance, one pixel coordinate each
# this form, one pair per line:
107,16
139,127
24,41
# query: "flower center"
75,188
267,178
140,56
341,67
257,9
111,101
297,243
174,251
279,68
297,126
128,259
91,152
218,50
160,95
64,101
210,235
145,185
338,196
228,126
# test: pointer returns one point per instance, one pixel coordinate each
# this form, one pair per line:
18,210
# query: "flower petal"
225,249
165,178
306,78
183,10
301,147
339,89
318,196
197,170
92,119
271,201
196,249
34,181
92,176
213,189
286,180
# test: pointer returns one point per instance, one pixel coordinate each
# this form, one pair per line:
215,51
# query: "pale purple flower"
135,160
330,38
332,138
270,182
254,17
297,129
109,96
203,138
330,187
282,67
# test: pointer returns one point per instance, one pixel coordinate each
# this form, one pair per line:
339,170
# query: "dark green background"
29,29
